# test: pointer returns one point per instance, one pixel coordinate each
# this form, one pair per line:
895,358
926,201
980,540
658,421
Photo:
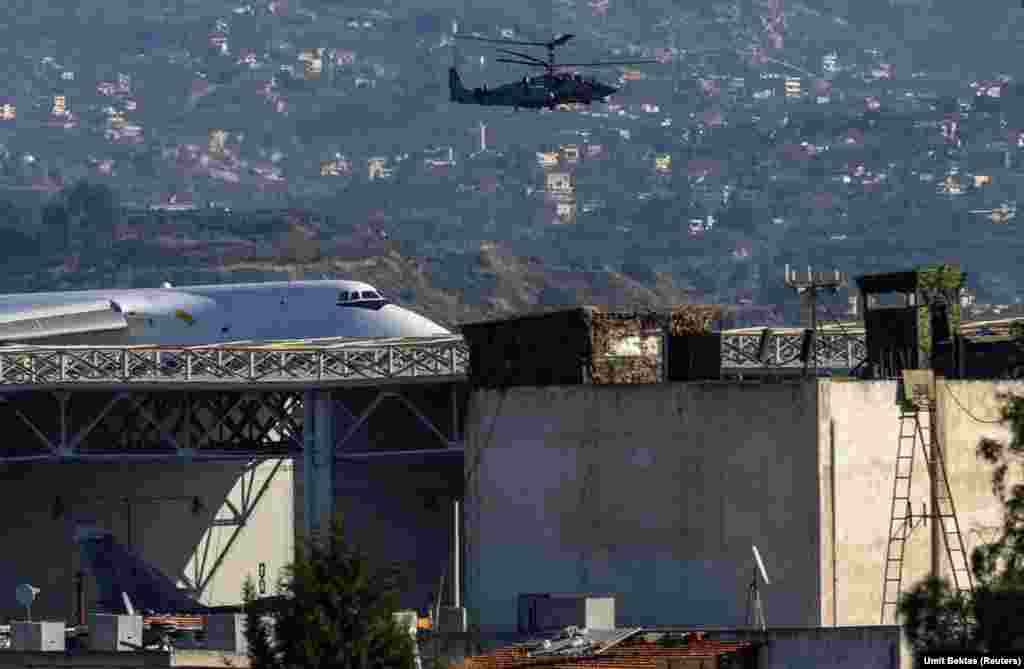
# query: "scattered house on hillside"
440,158
547,158
175,202
377,168
559,183
336,167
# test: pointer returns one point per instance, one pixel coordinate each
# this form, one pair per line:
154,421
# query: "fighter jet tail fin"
125,583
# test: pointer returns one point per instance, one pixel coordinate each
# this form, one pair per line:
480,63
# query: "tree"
57,223
97,206
937,618
298,247
336,611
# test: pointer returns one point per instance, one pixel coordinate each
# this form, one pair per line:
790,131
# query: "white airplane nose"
399,322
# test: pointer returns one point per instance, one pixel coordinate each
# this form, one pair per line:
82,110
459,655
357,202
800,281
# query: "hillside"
491,283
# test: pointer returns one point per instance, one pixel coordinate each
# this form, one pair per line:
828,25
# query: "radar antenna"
26,594
755,605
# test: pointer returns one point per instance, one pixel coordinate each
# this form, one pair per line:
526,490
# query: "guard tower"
906,314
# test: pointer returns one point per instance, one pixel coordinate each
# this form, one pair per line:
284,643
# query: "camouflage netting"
691,319
607,328
579,346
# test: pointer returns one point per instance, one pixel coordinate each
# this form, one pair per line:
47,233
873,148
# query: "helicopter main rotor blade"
501,41
608,63
519,62
558,41
522,55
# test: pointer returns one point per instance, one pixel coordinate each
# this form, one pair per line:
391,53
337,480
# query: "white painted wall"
866,432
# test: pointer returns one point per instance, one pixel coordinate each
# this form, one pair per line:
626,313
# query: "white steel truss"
358,363
429,359
835,352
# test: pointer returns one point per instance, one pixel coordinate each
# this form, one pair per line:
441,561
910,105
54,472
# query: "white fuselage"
199,315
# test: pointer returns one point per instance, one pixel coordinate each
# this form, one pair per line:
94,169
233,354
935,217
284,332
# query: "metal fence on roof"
342,361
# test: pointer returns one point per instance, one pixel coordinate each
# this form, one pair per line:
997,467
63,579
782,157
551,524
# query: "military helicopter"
554,87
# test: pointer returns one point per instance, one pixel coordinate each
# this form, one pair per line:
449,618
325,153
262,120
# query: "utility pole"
807,287
933,475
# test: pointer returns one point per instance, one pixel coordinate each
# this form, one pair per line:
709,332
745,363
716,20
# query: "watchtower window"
893,300
370,295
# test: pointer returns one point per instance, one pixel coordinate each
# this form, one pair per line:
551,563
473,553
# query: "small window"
370,295
343,296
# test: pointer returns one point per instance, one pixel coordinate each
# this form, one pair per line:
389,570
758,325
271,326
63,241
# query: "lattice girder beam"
449,440
183,424
26,367
739,351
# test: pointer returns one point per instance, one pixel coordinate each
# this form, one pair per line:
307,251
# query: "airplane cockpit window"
366,298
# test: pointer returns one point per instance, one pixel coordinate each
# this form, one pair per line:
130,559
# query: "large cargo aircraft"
206,315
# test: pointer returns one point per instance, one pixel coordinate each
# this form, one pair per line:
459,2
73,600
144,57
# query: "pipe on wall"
832,494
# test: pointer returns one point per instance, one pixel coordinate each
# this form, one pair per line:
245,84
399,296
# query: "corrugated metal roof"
606,649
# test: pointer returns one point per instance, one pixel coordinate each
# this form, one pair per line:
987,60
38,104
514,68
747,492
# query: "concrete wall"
652,492
831,648
656,492
38,549
864,420
403,513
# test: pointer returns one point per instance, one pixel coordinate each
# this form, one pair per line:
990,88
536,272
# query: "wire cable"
964,409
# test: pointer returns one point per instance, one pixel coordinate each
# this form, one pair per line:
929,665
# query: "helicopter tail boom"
457,92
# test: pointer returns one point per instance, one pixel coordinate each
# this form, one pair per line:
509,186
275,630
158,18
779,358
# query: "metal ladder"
959,562
901,525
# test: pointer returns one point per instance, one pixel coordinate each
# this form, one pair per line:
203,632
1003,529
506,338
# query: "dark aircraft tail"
456,90
127,584
124,581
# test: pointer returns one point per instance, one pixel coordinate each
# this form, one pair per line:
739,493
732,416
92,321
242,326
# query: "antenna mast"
807,287
755,605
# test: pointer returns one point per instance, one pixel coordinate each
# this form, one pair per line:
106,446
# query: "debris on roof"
579,648
691,319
